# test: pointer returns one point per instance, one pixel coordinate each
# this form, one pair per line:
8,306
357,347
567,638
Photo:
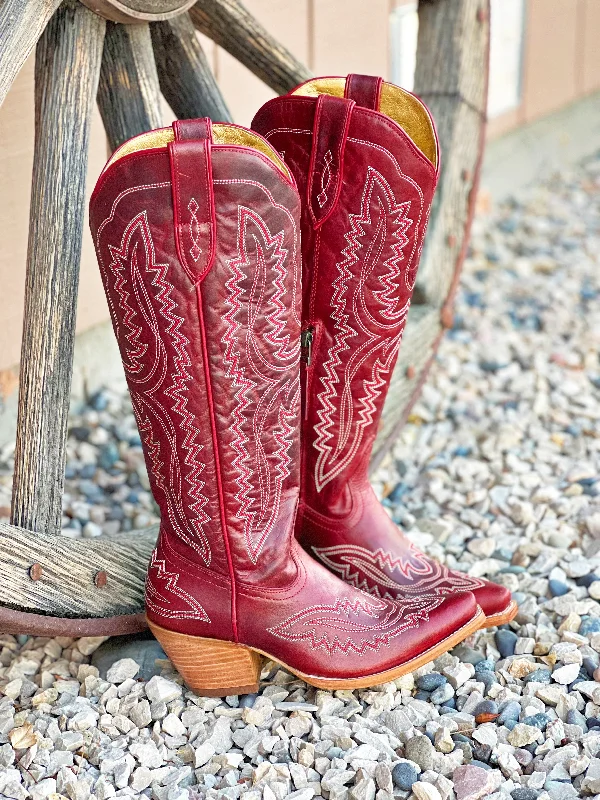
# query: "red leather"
359,271
193,129
365,90
193,201
212,364
326,168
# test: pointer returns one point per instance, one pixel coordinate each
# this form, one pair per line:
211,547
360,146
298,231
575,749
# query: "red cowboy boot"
366,161
196,233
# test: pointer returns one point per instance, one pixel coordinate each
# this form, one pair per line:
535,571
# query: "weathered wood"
128,90
232,27
420,341
66,78
454,86
67,570
21,25
186,80
15,621
451,77
135,11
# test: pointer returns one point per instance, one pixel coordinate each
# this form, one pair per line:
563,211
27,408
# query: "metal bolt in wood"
100,579
447,317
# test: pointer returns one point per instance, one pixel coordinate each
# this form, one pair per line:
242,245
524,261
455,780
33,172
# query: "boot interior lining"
401,106
221,134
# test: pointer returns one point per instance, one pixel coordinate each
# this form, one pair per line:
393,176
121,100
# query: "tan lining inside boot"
222,134
401,106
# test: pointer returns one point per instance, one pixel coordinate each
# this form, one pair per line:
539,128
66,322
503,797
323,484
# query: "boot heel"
211,667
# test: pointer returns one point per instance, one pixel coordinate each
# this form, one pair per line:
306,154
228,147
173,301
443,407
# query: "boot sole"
502,617
216,668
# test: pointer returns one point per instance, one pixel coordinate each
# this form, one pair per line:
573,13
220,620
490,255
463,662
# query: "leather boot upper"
367,182
197,237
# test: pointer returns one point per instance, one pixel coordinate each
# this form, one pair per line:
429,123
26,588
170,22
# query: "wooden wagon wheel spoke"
230,25
186,79
451,77
457,97
66,77
128,90
21,25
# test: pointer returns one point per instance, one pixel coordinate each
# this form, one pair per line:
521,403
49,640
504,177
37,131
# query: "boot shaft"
365,157
197,240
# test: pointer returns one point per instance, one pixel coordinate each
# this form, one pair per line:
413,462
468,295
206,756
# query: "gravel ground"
497,473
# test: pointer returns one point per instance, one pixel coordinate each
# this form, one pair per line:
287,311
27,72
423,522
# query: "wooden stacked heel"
211,667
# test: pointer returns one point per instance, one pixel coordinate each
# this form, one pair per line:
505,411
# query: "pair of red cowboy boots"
259,287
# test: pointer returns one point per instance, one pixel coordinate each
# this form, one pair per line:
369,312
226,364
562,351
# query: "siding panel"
589,47
351,36
549,76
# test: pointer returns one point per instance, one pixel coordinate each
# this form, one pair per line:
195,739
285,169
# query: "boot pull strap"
330,131
192,129
193,201
365,90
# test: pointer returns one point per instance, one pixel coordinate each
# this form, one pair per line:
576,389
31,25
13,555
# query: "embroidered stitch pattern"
326,177
370,571
410,274
150,375
259,354
377,306
195,249
358,626
159,603
103,224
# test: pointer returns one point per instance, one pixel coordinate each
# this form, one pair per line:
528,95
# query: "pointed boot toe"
496,603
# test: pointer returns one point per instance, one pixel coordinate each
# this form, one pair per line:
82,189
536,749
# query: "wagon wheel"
124,54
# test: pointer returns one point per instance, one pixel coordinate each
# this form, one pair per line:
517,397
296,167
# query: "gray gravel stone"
161,690
420,750
122,669
431,681
506,642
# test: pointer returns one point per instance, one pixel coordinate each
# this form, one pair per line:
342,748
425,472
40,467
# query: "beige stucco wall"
561,59
562,62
